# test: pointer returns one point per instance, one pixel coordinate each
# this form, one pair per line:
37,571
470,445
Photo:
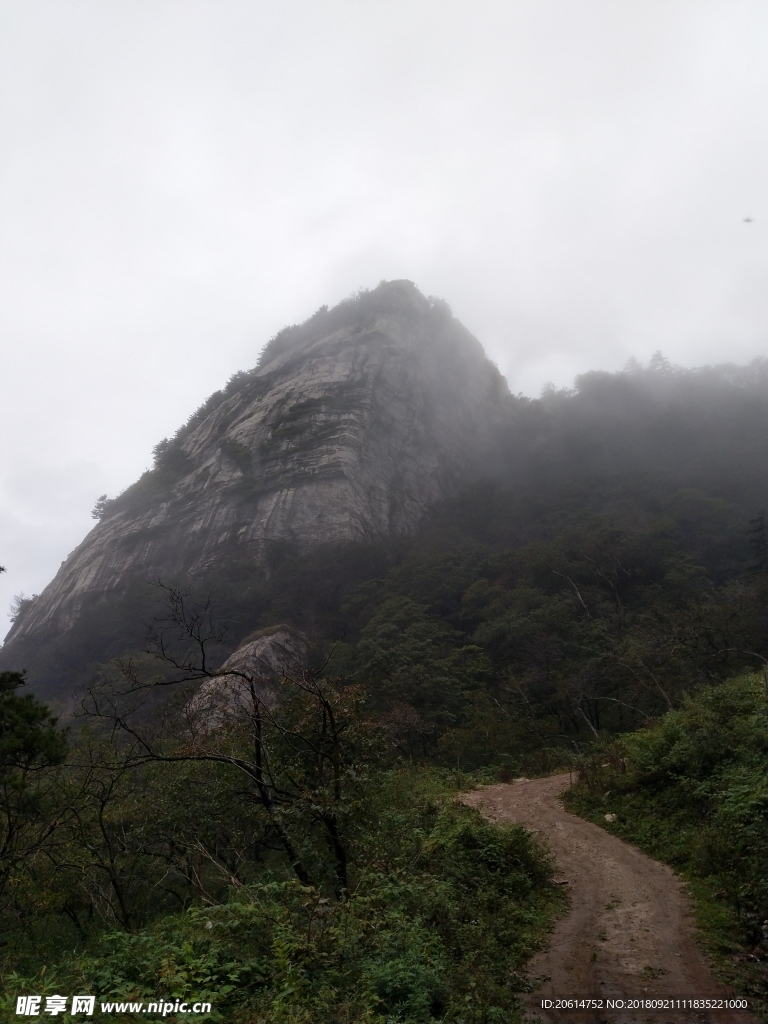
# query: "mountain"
376,440
350,427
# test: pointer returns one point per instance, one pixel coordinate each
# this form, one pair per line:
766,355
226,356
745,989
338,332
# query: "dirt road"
629,932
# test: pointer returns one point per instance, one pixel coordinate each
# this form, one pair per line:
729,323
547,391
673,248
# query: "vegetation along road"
629,932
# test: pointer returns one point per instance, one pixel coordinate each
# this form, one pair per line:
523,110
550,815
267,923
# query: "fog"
582,181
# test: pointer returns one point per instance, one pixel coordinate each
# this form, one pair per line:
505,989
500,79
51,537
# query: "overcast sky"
179,179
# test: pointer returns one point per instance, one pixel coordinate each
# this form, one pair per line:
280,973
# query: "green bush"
444,911
692,790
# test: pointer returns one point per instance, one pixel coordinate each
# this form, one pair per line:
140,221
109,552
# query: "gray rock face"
250,679
349,428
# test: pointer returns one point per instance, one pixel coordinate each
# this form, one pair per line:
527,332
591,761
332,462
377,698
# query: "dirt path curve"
629,932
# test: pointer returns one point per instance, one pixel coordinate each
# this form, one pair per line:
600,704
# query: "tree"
29,739
30,744
19,605
303,761
101,507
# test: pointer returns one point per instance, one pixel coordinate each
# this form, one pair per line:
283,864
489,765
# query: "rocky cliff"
351,425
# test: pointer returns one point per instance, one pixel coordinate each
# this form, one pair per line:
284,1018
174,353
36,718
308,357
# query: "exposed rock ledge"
251,676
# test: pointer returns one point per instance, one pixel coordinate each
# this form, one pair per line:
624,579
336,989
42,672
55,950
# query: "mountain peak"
351,425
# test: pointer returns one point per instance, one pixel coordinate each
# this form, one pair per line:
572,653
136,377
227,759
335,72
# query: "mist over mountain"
349,428
377,430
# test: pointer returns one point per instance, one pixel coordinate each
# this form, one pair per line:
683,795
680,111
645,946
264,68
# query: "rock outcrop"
351,425
251,678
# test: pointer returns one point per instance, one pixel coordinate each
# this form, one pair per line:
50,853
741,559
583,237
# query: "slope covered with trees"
639,469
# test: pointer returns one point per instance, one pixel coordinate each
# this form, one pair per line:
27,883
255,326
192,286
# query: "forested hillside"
632,496
617,560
